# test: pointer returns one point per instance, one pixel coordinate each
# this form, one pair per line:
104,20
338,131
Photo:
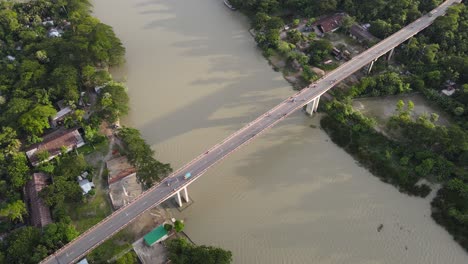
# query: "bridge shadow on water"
239,81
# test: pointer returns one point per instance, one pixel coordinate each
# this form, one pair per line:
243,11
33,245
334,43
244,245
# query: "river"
195,76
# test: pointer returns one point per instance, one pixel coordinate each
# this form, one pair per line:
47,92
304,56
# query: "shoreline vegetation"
412,150
54,61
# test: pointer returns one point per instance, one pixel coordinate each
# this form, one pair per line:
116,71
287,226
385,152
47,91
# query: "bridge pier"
390,54
186,198
370,66
179,200
312,106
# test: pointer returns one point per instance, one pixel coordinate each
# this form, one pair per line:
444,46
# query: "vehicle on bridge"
187,175
432,12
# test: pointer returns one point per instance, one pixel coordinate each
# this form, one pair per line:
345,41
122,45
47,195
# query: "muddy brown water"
195,76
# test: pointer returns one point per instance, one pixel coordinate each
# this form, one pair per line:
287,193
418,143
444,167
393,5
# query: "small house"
58,119
39,212
54,33
85,185
156,235
361,34
330,23
53,143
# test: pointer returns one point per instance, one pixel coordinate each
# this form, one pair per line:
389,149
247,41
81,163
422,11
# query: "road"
90,239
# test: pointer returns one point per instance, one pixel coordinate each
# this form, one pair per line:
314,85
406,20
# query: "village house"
84,183
38,211
361,34
53,143
123,184
449,88
329,23
55,33
58,119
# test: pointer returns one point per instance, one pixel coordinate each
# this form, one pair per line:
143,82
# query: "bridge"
177,182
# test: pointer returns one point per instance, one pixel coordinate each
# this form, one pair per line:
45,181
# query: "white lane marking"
92,238
145,202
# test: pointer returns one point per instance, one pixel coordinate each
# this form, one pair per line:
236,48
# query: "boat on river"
229,5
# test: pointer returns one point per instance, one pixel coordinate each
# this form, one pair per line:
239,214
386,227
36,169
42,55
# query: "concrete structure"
157,254
123,184
124,191
176,182
53,144
156,235
119,168
38,211
312,106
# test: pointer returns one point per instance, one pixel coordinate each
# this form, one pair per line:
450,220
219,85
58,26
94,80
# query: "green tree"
380,28
56,235
348,21
459,111
178,226
14,211
294,36
36,120
65,83
140,155
18,170
168,227
21,244
181,252
113,102
128,258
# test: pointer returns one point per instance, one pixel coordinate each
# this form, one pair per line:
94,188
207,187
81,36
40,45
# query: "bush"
178,226
168,227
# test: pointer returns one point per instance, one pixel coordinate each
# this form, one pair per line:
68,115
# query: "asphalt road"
77,249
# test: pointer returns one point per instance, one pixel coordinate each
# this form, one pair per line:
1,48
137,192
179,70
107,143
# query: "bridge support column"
370,66
390,54
312,106
179,200
186,198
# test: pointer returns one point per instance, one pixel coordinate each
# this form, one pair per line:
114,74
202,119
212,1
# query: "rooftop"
361,33
154,236
40,213
53,142
330,23
119,168
86,185
63,112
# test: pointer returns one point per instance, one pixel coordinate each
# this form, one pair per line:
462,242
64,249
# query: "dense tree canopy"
140,155
37,70
181,252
